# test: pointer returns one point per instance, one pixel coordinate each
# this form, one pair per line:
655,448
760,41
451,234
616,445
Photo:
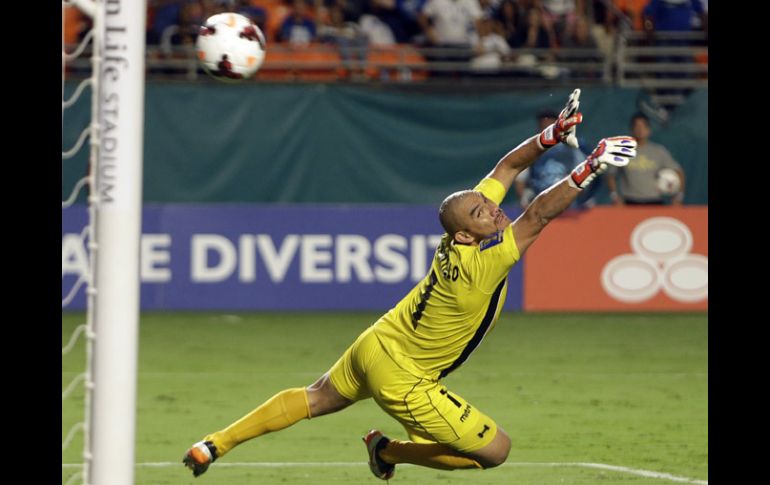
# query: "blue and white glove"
617,151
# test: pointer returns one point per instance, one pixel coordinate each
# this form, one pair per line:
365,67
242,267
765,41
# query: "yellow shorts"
426,409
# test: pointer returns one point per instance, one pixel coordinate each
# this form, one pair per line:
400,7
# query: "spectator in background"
174,24
192,16
581,35
213,7
387,23
488,7
700,22
513,23
523,26
449,24
552,166
255,13
489,47
299,27
381,22
336,29
582,38
561,14
409,10
528,4
673,15
351,9
348,36
164,14
636,184
540,33
632,9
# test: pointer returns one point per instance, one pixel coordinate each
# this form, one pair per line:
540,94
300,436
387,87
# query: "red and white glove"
617,151
563,129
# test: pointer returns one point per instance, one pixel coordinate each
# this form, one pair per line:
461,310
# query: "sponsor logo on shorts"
466,413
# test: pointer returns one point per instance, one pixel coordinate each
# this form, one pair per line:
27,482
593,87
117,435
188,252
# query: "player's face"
481,217
640,129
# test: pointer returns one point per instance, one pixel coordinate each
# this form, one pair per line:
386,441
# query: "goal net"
110,238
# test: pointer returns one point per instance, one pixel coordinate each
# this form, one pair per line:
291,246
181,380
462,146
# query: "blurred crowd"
482,24
482,34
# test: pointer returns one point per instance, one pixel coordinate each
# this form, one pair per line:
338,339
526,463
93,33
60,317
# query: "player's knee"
497,459
323,398
497,454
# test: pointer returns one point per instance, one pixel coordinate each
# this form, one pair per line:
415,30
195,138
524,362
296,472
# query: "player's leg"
495,453
323,397
445,431
445,457
281,411
426,452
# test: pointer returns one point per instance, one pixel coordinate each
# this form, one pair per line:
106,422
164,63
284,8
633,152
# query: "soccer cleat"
376,441
199,457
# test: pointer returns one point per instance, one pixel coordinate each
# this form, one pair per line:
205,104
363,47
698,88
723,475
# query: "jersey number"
452,273
451,398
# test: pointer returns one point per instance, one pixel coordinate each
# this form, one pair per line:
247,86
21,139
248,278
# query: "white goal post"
115,203
118,191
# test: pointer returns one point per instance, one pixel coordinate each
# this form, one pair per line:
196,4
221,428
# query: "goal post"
117,198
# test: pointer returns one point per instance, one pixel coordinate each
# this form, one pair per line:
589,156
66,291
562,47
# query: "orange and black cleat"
199,457
376,441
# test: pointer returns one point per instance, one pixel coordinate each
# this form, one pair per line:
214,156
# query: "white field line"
600,466
318,373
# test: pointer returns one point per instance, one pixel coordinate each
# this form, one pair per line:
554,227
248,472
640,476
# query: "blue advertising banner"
272,257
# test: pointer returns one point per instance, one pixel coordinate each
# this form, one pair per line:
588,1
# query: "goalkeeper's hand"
563,129
617,151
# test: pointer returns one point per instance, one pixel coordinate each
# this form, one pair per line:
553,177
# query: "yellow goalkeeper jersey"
443,319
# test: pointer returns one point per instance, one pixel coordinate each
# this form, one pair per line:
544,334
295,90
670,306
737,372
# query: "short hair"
639,116
447,214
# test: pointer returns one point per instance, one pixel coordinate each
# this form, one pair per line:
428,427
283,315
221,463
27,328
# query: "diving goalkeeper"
400,361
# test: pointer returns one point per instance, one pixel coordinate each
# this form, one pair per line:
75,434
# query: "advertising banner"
620,259
273,257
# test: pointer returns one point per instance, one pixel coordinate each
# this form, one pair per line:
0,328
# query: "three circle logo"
661,259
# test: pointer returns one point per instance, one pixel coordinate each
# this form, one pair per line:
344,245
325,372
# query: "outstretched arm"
612,184
553,201
515,161
679,197
521,157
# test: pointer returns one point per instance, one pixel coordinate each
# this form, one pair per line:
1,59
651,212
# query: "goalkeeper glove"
616,151
563,129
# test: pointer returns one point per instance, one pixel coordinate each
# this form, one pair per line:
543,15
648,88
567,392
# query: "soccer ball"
668,181
230,47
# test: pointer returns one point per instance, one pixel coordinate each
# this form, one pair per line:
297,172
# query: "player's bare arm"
521,157
617,151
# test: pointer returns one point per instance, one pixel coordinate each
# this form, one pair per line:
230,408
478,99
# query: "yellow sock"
279,412
433,455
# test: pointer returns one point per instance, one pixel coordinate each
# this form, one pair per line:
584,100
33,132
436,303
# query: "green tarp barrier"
343,144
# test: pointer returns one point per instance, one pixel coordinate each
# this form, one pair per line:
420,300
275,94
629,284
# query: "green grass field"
622,390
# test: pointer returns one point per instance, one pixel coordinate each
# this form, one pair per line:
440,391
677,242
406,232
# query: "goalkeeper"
401,359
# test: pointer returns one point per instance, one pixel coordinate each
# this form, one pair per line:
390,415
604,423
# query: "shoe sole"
197,461
370,437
